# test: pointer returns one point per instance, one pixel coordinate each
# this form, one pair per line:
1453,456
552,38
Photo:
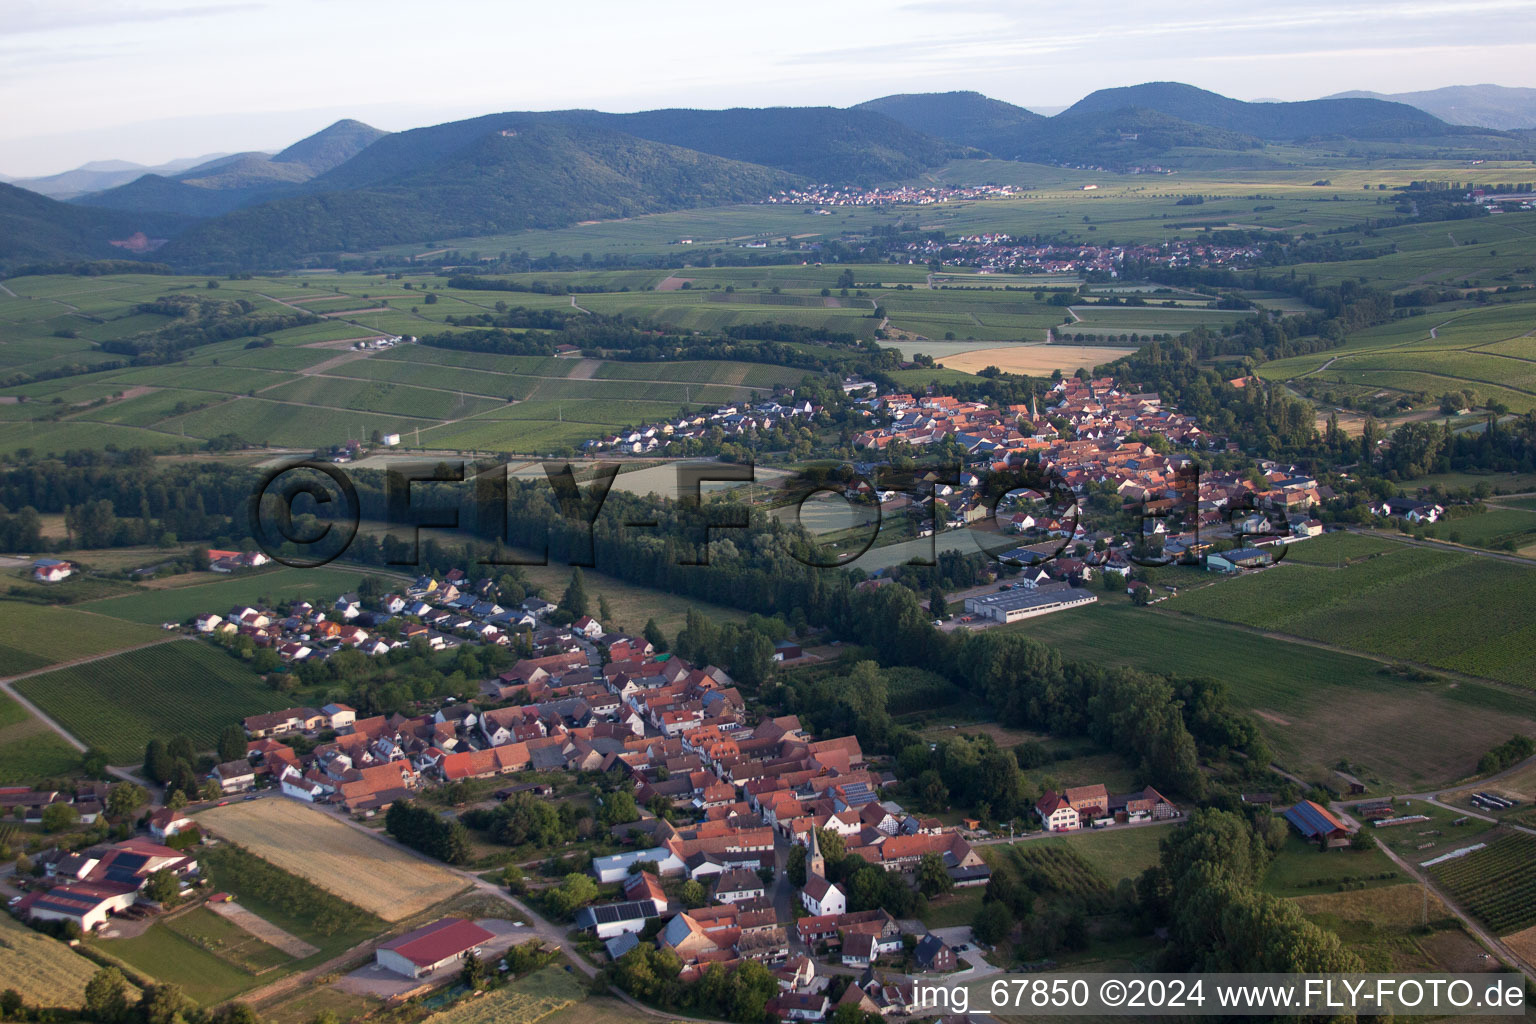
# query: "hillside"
820,143
34,228
1485,106
101,174
1355,118
231,182
1115,136
331,147
545,176
968,118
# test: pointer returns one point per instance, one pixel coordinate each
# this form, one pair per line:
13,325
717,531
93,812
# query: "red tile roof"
438,941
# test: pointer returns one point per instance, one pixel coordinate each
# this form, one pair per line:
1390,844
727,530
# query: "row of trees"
425,830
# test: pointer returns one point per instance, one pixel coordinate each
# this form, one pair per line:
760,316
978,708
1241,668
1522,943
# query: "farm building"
1236,559
610,920
431,947
88,905
1317,823
1013,605
51,570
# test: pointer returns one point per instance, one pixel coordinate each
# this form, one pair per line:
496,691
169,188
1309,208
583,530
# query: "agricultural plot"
1500,528
30,751
384,397
1104,321
524,1001
1057,868
227,941
1034,360
1485,350
219,594
118,703
170,958
44,970
1296,690
30,635
1377,606
1497,883
347,862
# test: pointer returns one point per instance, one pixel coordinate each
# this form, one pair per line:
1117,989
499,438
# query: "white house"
821,897
51,570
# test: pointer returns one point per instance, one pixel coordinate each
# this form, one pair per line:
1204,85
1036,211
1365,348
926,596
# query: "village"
1002,253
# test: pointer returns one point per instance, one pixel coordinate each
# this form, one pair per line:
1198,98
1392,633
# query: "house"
348,606
736,885
339,716
51,570
610,920
1316,823
1056,814
234,776
799,1005
859,950
1410,509
934,954
786,650
588,627
165,823
821,897
430,948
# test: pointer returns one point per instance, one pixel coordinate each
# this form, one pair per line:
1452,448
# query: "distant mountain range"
1487,106
230,182
352,187
101,174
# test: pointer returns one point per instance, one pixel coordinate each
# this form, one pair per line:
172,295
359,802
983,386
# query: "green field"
227,941
29,750
1440,608
1450,348
220,593
1497,883
118,703
1409,733
33,636
1299,869
170,958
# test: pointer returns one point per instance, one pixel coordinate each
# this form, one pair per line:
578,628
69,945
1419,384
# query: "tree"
164,1004
125,798
10,1004
473,972
654,636
795,867
234,1013
157,761
603,611
575,891
692,893
993,923
619,808
932,878
106,996
163,887
232,743
574,602
58,817
177,800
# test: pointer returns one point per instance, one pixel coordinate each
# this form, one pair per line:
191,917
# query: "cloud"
31,16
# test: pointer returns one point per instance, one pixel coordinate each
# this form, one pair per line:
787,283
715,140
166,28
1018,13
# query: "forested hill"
545,176
818,143
1355,118
968,118
35,228
1008,132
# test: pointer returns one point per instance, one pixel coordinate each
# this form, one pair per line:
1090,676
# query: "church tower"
815,863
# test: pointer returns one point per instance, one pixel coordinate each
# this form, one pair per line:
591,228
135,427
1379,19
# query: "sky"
153,80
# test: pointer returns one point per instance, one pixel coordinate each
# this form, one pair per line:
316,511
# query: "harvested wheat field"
1400,906
45,971
1035,360
360,869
